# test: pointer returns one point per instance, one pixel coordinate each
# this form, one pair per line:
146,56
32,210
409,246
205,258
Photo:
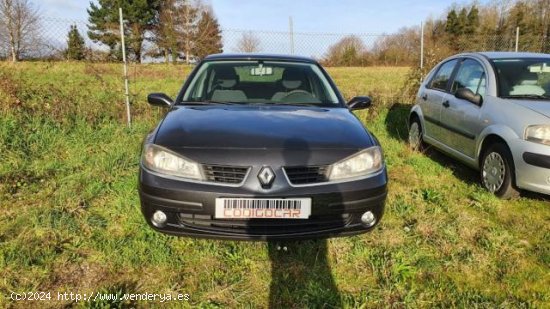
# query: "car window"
441,78
527,78
470,75
256,81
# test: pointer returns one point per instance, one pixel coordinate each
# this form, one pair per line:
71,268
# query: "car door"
460,119
432,96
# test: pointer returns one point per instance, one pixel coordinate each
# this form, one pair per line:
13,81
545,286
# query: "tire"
497,171
415,135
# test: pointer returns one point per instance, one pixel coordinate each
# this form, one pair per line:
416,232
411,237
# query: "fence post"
125,68
291,34
421,49
517,38
421,45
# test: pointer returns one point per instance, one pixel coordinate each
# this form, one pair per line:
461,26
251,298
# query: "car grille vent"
270,227
300,175
225,174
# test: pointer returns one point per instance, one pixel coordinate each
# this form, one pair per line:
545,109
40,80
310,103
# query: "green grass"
70,218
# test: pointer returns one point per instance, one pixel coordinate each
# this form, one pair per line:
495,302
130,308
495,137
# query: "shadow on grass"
536,196
301,276
397,121
469,175
460,171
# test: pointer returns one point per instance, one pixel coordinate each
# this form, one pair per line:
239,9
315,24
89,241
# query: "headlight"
538,134
164,161
360,164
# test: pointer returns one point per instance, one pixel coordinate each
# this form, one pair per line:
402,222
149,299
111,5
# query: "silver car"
491,111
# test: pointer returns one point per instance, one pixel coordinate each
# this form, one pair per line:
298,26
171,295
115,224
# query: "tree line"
177,28
173,29
470,27
187,30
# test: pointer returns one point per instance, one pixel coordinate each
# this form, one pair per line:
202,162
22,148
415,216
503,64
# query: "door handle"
446,104
425,97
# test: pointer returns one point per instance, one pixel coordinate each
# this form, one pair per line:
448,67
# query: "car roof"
507,55
257,56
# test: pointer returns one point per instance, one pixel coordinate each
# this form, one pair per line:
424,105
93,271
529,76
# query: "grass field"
70,218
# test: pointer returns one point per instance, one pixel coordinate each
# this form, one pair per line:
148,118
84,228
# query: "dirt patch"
82,276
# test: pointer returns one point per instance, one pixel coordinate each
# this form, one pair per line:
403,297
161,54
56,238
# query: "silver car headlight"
538,134
363,163
164,161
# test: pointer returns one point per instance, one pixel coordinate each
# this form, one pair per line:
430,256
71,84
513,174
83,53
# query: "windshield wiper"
296,104
209,103
526,96
225,102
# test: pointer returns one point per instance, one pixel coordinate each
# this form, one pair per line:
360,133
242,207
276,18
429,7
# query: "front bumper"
190,207
532,165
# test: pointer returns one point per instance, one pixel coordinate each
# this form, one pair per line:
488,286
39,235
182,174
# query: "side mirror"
359,103
469,95
159,99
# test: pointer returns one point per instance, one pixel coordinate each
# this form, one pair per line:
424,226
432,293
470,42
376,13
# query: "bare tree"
19,22
177,27
349,51
248,43
188,15
208,38
165,33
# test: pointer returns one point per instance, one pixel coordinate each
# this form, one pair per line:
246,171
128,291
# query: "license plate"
252,208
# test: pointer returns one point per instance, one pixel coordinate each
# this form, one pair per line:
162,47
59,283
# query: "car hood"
541,107
262,127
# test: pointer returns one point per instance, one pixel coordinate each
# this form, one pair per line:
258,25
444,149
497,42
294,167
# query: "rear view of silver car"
490,111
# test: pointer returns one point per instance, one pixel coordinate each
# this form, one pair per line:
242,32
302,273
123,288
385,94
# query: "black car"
261,147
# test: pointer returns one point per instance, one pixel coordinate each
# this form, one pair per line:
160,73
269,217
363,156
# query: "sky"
344,16
270,18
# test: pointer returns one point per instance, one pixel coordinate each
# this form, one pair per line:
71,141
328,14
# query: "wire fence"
49,41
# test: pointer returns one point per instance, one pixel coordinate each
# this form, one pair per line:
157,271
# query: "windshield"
527,78
260,82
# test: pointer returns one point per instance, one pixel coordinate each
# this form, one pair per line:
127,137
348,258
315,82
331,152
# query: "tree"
472,24
208,38
400,48
451,26
462,21
187,26
76,48
165,34
248,43
140,16
458,25
19,23
349,51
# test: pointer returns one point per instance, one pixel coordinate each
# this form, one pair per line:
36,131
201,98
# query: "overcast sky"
344,16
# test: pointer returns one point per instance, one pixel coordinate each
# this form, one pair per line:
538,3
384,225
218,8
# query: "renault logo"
266,176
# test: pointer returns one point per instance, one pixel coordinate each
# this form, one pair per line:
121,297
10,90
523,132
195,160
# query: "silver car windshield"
257,82
525,78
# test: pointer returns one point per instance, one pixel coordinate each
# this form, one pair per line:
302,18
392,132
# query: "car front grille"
225,174
301,175
269,227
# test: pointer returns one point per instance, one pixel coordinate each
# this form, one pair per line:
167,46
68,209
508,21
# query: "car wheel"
415,134
497,168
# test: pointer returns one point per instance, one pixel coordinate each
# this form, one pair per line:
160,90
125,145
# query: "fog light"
159,218
368,219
